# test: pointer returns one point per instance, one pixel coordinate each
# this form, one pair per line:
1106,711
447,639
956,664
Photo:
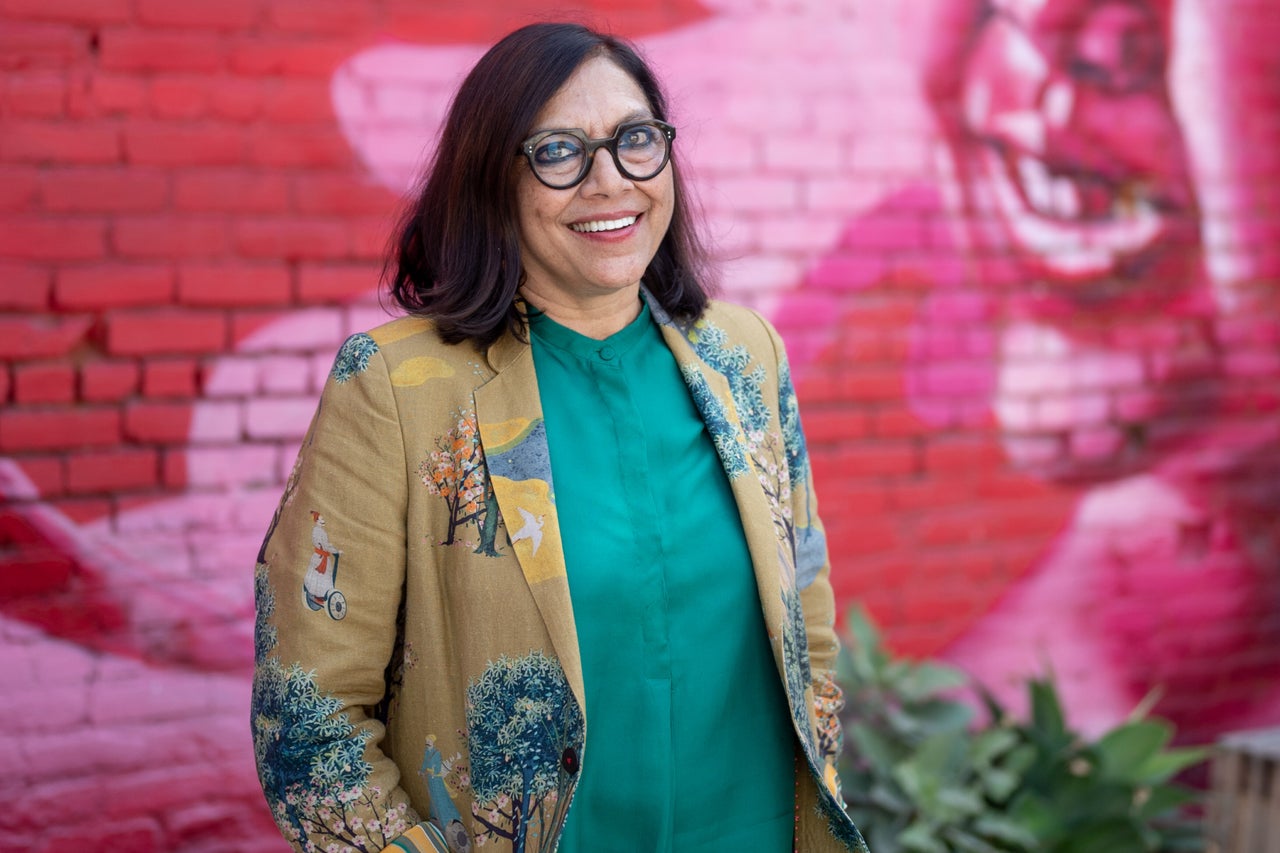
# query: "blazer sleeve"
813,566
328,584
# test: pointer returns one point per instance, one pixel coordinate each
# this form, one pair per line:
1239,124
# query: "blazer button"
569,760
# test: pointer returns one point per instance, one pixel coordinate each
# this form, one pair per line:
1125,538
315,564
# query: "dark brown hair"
456,252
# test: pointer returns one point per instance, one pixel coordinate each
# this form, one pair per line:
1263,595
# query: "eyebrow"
634,115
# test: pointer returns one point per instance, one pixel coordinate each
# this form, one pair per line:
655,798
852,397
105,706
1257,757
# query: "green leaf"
1006,831
1046,711
920,837
1164,765
1116,835
926,680
1125,749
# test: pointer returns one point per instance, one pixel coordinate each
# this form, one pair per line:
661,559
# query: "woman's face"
592,241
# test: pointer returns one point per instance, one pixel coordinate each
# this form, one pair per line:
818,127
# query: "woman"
432,689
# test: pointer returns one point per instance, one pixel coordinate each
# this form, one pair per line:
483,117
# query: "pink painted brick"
285,374
148,697
1072,410
764,194
296,331
222,466
231,376
283,417
216,421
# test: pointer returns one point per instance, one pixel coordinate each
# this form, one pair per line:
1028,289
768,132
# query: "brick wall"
1031,308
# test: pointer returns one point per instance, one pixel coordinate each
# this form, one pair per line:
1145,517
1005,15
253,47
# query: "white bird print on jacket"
532,529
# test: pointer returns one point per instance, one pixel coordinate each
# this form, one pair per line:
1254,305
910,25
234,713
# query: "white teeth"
1066,198
1036,182
603,225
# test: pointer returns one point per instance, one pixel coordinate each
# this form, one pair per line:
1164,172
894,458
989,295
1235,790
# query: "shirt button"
606,353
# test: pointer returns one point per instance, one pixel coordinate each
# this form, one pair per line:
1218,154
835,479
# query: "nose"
603,177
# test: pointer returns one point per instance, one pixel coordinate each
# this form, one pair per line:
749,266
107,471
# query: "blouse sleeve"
328,585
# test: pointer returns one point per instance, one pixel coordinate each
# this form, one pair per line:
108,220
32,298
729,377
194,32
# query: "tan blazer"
416,657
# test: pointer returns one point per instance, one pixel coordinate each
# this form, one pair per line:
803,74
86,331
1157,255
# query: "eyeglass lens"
562,159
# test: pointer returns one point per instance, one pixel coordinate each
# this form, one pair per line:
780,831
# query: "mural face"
1023,253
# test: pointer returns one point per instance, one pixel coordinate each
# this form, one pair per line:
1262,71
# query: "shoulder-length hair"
456,255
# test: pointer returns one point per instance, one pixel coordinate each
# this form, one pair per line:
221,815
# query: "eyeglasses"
562,158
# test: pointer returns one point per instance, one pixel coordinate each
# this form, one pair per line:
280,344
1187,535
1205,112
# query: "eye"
556,149
639,136
1120,48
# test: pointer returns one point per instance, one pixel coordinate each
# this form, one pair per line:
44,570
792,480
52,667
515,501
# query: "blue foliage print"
525,733
710,343
310,757
716,416
353,357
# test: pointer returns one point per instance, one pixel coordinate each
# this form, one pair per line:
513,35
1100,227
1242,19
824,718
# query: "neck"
597,318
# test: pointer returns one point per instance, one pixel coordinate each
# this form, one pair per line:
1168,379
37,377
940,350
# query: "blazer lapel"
714,399
514,439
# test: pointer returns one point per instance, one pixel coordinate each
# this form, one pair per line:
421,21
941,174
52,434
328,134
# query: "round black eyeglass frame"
593,145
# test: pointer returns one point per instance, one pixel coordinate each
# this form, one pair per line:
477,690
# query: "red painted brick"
230,191
182,144
44,382
169,378
335,282
944,453
174,469
19,187
61,239
58,428
869,459
232,285
33,45
298,101
34,94
341,194
165,331
24,287
833,425
368,237
114,285
158,423
108,381
150,50
181,96
41,335
46,473
170,237
124,94
339,18
105,190
291,238
60,142
111,470
5,383
69,11
223,15
237,98
294,57
319,147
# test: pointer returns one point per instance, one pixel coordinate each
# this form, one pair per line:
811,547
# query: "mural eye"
1119,48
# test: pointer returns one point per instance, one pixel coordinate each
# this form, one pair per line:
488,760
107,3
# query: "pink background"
1024,254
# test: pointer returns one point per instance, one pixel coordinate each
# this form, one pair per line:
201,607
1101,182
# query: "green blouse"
689,742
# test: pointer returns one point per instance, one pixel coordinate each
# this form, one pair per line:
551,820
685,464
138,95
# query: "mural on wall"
1022,252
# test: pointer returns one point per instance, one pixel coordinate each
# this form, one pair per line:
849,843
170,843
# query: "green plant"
922,774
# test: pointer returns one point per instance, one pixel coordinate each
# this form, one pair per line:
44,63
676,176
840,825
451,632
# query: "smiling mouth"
1079,224
604,225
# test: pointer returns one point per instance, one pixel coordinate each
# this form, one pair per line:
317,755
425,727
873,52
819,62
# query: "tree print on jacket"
353,357
456,472
525,734
310,757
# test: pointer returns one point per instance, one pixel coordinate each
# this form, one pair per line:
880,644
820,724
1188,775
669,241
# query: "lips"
1079,224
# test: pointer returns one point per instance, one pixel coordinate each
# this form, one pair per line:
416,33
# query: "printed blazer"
417,679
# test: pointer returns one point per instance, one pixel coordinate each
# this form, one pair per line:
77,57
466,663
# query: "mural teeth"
1036,183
